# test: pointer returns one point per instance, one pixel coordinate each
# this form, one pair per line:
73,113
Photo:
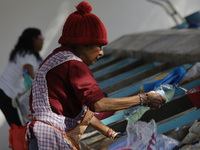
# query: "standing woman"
24,56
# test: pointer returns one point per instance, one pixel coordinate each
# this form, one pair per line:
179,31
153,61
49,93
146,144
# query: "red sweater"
70,85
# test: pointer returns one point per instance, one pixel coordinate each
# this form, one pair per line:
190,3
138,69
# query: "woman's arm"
98,125
153,100
105,130
30,69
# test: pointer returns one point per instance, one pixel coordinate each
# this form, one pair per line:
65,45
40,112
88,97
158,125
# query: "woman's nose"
101,52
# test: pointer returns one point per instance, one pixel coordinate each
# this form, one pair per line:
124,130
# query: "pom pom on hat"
84,7
83,28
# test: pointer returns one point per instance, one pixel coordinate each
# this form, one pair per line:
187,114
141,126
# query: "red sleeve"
84,84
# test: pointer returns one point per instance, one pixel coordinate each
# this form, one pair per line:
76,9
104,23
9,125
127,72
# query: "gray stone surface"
177,46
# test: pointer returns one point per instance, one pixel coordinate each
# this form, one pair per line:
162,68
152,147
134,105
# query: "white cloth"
193,71
12,81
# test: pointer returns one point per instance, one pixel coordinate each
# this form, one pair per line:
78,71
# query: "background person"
24,56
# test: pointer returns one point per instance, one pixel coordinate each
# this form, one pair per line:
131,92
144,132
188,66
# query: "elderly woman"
65,94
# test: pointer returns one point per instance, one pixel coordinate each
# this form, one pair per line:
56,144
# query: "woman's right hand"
155,100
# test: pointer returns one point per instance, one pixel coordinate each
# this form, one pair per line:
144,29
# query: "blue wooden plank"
114,67
136,87
113,118
127,74
172,124
120,116
131,89
188,86
102,61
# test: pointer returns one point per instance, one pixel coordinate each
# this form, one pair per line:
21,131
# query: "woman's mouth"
96,59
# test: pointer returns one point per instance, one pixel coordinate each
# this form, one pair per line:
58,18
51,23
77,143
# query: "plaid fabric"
50,136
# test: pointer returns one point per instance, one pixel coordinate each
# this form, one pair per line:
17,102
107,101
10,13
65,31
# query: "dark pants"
8,110
33,144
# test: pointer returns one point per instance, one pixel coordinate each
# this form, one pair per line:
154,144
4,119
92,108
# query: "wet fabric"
172,78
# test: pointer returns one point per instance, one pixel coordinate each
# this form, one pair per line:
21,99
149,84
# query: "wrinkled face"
38,43
91,54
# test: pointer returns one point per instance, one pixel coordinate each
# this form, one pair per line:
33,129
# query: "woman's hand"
30,69
155,100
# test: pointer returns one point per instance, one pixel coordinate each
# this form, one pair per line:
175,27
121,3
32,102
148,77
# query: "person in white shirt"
24,56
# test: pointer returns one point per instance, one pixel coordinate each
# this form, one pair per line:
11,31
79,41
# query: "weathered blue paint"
127,74
102,61
114,67
172,124
136,87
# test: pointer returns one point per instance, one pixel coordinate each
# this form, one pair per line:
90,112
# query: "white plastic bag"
133,114
23,106
143,136
165,143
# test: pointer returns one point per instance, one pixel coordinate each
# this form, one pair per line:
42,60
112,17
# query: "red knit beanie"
83,28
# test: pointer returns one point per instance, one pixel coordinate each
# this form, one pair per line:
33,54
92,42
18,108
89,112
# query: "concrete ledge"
177,46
